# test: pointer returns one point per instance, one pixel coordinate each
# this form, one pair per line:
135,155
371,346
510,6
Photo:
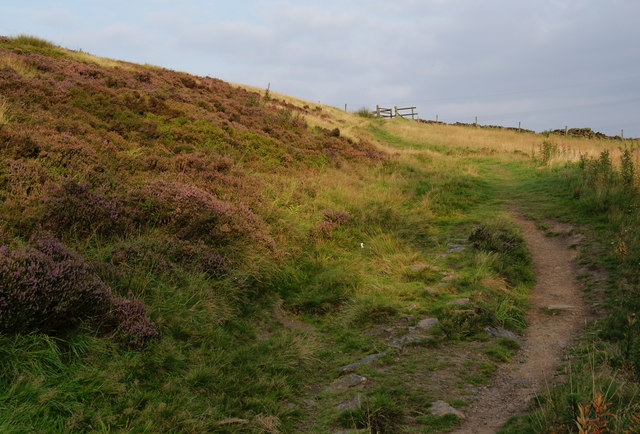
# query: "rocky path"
556,315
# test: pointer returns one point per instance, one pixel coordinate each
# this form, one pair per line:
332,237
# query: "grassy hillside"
184,255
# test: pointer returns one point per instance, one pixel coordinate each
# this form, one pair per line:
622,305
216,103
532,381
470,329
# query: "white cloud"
462,58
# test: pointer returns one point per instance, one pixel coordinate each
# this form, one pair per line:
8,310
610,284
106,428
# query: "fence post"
396,109
377,111
436,118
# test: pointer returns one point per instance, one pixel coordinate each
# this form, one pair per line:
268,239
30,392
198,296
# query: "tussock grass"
33,41
5,116
319,115
104,62
502,141
17,64
326,228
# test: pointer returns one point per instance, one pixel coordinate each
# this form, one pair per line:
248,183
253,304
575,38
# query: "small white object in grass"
362,245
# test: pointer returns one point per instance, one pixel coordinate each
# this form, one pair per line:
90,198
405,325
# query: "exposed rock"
431,290
309,402
428,323
448,277
455,247
401,341
351,431
232,421
560,307
459,302
501,333
352,403
347,381
352,366
283,318
441,408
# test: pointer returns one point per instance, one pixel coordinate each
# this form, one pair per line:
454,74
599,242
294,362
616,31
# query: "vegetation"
183,255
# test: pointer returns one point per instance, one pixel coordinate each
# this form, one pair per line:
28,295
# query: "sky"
545,64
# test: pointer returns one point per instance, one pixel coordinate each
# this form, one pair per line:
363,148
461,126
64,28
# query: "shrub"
47,287
548,150
73,206
331,220
129,319
50,288
626,169
165,253
194,213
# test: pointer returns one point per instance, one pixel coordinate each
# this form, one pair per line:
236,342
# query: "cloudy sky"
545,63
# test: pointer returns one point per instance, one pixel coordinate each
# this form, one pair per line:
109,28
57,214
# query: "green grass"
601,201
354,283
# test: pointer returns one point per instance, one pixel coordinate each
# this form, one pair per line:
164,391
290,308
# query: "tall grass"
503,141
32,41
17,64
601,392
213,206
4,112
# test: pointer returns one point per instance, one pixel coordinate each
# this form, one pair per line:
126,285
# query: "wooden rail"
395,112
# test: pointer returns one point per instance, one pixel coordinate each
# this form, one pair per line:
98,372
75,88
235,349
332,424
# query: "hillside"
180,254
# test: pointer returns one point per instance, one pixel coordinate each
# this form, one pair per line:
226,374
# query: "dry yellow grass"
100,61
4,112
329,117
504,141
18,65
492,140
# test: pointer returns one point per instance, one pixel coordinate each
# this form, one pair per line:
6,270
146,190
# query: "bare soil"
557,314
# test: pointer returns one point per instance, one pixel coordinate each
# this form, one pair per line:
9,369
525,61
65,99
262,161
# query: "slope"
262,241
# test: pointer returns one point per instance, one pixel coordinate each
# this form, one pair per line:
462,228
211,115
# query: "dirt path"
557,313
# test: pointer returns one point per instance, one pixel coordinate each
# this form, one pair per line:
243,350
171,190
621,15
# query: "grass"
350,236
17,64
5,117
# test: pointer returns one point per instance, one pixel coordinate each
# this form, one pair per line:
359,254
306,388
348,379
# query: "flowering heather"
47,287
331,220
131,322
337,217
168,253
50,288
195,214
74,206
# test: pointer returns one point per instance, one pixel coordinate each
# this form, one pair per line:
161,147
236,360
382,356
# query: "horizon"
560,64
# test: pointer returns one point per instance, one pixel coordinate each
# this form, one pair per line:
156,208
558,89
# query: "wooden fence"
395,112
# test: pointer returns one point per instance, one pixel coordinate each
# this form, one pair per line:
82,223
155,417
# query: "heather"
140,240
179,254
47,287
